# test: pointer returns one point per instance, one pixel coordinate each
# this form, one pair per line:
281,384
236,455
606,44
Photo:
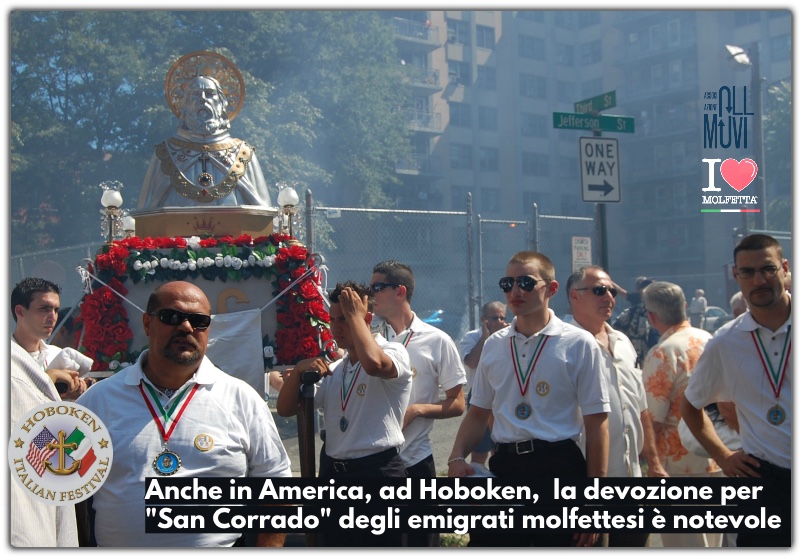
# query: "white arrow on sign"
598,159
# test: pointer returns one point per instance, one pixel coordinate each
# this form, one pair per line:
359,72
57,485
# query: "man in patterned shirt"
666,369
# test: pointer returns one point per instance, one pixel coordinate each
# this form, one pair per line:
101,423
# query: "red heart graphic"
739,175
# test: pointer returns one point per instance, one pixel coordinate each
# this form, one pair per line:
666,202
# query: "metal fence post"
471,293
310,225
534,239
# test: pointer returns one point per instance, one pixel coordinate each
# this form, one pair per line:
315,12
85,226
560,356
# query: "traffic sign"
605,123
596,104
598,159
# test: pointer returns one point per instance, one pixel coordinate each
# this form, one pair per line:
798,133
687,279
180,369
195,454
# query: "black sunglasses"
525,282
600,290
175,318
379,286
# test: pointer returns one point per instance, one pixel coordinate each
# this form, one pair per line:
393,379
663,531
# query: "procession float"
205,215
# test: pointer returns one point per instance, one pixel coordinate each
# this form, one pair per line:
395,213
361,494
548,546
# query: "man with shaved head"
175,413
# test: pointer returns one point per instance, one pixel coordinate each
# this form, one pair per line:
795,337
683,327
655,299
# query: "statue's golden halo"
210,64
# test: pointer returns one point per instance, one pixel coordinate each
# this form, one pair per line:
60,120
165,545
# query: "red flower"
297,252
208,242
318,311
308,289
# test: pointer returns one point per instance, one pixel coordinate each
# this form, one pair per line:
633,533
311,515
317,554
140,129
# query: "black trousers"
549,460
777,489
423,469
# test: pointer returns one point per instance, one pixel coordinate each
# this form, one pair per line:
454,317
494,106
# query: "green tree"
87,104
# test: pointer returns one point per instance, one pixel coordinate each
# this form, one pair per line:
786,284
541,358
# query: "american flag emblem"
38,452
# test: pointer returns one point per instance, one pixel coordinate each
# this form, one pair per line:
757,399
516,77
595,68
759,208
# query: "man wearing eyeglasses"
174,412
435,364
748,363
543,382
592,297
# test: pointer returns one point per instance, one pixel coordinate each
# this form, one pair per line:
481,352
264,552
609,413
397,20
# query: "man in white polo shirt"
748,363
543,381
364,396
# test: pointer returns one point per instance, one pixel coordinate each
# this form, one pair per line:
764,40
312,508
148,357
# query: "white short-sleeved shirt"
627,402
466,345
375,410
730,369
226,431
435,362
568,382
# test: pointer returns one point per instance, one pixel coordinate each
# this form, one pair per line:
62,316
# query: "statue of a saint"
202,164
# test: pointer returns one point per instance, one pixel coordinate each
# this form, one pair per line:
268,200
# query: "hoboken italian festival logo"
725,127
60,453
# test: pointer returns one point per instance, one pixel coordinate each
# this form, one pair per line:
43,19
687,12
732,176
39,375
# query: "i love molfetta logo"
727,127
60,453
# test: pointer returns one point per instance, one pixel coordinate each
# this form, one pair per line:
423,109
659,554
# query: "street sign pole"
601,216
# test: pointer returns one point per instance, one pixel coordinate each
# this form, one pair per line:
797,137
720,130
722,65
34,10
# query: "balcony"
424,80
420,165
415,36
425,122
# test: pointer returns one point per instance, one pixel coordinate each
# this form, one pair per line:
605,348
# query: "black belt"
361,463
772,470
529,446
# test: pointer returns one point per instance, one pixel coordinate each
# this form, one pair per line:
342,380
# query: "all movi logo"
738,174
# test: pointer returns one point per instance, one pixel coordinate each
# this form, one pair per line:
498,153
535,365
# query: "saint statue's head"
204,107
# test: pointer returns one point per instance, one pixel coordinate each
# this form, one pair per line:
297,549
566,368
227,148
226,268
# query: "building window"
459,114
458,32
746,18
564,19
533,86
564,54
675,74
488,118
488,159
658,83
459,197
459,72
565,91
485,37
486,78
655,37
588,18
490,200
533,125
531,47
569,167
781,48
461,156
592,87
534,164
590,53
530,15
674,32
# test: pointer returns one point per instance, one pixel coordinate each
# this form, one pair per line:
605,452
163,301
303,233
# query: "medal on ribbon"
346,391
523,374
167,462
776,414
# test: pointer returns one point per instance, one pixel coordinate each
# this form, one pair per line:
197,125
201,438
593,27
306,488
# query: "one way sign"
598,158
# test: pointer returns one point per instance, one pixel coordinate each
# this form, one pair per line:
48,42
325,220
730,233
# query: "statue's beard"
205,121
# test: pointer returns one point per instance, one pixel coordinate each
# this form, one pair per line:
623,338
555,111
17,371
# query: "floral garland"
302,320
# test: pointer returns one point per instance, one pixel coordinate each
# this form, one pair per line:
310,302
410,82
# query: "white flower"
175,265
227,261
269,352
147,265
218,261
191,265
114,364
236,263
208,262
194,242
183,266
251,259
125,364
269,260
138,265
245,263
164,262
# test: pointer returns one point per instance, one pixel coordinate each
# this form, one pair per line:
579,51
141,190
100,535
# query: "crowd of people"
546,398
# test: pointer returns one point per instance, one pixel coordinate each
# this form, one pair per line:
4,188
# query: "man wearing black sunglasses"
592,297
173,410
543,382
